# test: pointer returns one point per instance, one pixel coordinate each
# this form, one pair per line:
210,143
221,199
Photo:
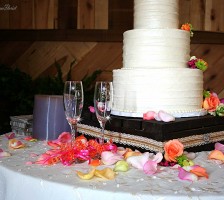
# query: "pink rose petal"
4,154
1,150
150,115
10,135
138,161
29,163
110,158
185,175
219,146
64,137
150,167
158,157
165,117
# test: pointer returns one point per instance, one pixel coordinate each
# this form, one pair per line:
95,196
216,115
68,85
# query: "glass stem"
73,131
102,124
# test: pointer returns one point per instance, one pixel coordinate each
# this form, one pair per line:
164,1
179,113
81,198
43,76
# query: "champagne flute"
73,103
103,98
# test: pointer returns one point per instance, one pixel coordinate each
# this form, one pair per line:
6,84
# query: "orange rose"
186,27
173,149
210,103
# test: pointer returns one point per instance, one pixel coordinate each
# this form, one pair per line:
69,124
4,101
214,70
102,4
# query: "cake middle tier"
177,90
156,48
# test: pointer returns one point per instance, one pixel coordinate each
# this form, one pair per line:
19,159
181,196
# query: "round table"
20,181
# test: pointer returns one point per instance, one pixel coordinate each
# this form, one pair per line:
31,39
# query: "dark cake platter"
196,133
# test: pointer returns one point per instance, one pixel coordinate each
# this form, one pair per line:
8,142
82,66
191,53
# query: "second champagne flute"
73,103
103,98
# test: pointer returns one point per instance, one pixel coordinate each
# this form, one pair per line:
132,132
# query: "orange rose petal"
217,155
131,153
15,144
199,171
95,162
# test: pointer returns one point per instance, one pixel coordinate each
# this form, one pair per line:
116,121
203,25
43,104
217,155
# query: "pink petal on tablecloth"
219,146
138,161
185,175
150,167
109,158
158,157
4,154
10,135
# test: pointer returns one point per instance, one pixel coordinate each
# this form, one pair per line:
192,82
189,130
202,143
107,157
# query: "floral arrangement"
213,104
188,27
197,63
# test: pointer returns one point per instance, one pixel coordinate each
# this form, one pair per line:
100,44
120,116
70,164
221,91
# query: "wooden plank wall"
37,58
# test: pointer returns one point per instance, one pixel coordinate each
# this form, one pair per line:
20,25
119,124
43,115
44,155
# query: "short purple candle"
49,117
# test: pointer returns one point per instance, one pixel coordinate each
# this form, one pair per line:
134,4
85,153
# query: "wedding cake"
155,75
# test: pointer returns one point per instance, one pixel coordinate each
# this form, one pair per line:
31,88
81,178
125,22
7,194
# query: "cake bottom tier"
178,91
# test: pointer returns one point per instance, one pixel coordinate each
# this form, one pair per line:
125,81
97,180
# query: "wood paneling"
67,14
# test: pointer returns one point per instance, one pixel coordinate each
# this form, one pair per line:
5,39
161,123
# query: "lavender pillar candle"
49,117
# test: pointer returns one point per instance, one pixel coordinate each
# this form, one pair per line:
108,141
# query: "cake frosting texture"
155,75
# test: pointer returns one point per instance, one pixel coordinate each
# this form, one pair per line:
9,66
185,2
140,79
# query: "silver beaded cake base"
177,114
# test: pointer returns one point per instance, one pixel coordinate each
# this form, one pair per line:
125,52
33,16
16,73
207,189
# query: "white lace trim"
147,143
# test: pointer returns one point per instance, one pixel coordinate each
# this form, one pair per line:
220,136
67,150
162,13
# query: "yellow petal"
106,173
86,176
121,166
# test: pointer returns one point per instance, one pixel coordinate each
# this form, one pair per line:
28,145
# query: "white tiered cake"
155,75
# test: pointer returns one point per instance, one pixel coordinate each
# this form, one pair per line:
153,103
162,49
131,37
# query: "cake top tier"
153,14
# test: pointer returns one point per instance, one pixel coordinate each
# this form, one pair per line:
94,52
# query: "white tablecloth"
19,181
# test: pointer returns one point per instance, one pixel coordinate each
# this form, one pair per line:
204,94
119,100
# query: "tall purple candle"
49,117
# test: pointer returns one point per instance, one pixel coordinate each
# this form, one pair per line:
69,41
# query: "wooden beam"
200,37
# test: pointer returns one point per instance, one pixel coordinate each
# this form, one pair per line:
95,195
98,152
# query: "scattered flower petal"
10,135
132,153
199,171
138,161
150,115
158,157
109,158
4,154
217,155
165,117
185,175
150,167
64,137
30,139
86,176
29,163
219,146
106,173
15,144
121,166
95,162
